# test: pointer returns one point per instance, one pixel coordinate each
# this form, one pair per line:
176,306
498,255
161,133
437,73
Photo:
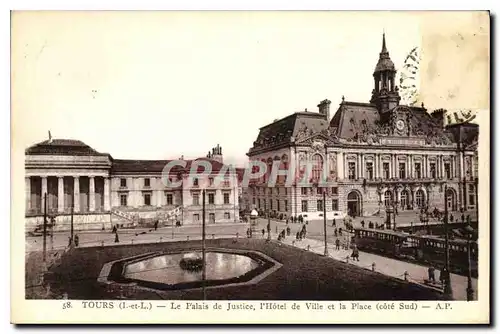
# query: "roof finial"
343,98
50,137
384,48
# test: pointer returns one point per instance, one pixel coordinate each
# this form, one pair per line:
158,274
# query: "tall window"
123,182
170,199
195,182
388,198
317,167
226,215
303,191
196,199
147,182
319,190
385,167
304,206
286,205
352,170
147,199
196,217
210,181
369,170
258,203
211,198
335,191
447,170
402,170
278,205
472,195
270,204
226,198
335,205
211,217
319,205
419,198
418,170
123,200
433,170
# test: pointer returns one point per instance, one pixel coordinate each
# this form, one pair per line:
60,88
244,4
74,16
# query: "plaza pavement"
314,242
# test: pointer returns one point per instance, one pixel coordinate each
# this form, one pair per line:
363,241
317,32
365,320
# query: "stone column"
91,193
340,165
76,192
27,189
44,189
159,201
107,194
60,194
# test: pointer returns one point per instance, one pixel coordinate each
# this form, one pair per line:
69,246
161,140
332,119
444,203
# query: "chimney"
324,109
438,116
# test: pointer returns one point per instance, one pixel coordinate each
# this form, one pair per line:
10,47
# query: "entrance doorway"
354,204
451,200
404,200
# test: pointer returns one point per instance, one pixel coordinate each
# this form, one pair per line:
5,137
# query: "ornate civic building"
97,191
378,155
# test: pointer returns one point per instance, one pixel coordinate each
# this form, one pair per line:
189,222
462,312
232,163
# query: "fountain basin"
182,270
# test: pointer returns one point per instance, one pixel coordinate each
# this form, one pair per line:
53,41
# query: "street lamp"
470,290
324,219
447,283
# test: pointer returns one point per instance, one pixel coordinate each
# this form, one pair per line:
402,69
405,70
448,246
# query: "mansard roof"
285,130
125,166
62,147
356,119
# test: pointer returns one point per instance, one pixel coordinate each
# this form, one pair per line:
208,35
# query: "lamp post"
268,225
447,283
204,273
470,290
324,219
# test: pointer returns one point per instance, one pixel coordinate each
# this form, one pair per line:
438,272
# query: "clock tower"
385,94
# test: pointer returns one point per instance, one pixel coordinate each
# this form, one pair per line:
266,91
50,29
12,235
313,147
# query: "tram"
422,249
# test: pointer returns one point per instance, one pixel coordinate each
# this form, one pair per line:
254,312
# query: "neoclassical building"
102,191
377,154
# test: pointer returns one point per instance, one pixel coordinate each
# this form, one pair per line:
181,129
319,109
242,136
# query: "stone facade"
373,155
99,191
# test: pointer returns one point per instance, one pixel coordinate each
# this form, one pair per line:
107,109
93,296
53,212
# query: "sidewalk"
386,266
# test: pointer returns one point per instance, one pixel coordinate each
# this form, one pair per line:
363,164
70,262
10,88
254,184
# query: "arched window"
317,167
388,198
420,199
404,200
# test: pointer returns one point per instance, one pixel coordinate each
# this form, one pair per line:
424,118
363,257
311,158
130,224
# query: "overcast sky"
160,85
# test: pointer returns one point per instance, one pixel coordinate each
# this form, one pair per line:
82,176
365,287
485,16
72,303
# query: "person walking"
355,252
288,230
77,240
156,225
117,239
263,232
334,223
362,224
431,271
337,244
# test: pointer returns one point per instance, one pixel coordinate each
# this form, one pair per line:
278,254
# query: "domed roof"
384,62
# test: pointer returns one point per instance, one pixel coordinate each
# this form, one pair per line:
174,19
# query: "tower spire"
384,48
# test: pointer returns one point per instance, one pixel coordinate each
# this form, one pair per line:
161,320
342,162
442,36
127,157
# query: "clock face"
400,125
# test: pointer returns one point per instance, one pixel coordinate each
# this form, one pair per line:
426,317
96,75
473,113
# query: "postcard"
256,167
